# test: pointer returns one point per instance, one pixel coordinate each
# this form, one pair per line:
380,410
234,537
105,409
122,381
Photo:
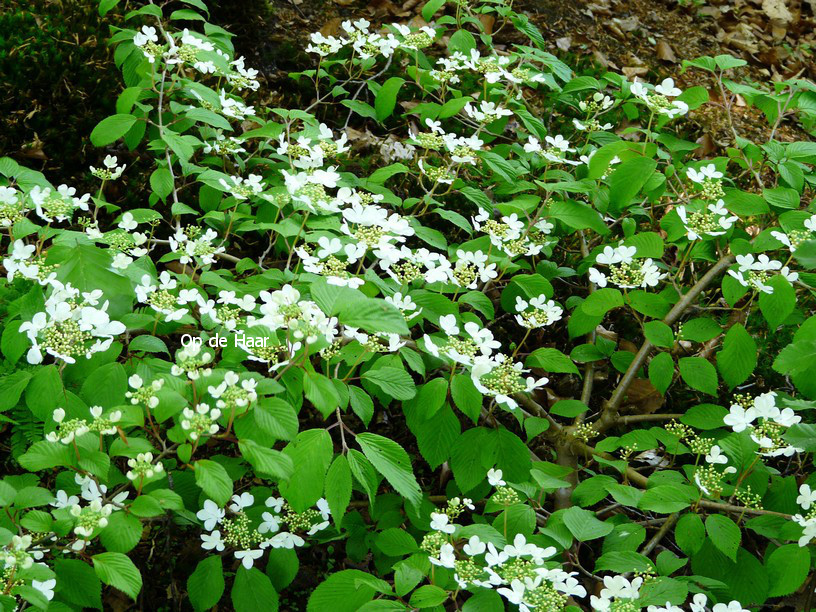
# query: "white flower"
667,88
515,594
599,278
708,172
495,557
494,477
618,586
440,522
715,455
45,587
285,539
475,546
248,557
667,608
210,514
807,497
127,222
739,418
64,501
212,540
446,558
698,603
732,606
148,34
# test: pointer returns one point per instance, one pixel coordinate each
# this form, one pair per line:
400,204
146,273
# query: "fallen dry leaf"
777,10
664,52
633,71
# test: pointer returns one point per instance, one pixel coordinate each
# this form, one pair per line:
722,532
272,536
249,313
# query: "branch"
609,415
642,481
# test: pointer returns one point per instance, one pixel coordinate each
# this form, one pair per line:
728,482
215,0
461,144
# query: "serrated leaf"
738,357
391,460
117,570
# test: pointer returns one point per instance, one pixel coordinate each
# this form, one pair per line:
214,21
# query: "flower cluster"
624,270
765,422
73,324
250,538
756,272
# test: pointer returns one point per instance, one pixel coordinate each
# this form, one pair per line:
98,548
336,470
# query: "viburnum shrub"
486,334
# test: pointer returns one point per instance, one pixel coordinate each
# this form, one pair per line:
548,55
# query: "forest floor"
647,39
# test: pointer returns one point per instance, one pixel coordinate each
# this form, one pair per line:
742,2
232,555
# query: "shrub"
447,371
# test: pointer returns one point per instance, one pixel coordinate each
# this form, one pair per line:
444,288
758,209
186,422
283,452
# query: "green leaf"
13,345
381,175
435,437
796,358
393,462
781,197
665,499
467,461
311,454
276,417
602,301
661,371
699,373
345,591
266,461
568,408
12,387
689,533
338,488
386,98
111,129
361,404
396,542
282,567
320,390
43,455
777,306
801,435
206,584
117,570
78,583
466,396
724,534
214,480
628,179
105,6
704,416
373,316
428,596
105,386
161,182
361,108
122,533
623,561
550,360
700,330
648,244
430,9
583,524
788,567
7,494
738,357
44,392
394,382
148,344
462,41
577,215
253,591
659,334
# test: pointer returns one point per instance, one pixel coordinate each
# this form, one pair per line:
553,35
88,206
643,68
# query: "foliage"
437,365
